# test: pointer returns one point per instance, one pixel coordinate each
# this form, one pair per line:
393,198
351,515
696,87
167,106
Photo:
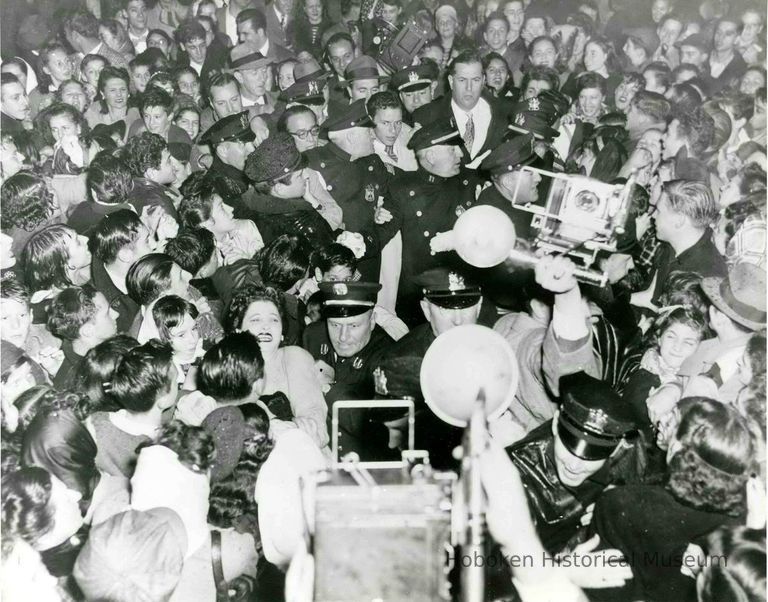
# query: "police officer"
416,86
567,462
231,141
449,299
354,175
425,203
347,345
509,183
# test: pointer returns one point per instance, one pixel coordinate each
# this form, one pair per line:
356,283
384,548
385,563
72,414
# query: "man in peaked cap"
362,78
416,86
565,464
424,203
347,344
252,71
504,165
449,298
354,175
231,141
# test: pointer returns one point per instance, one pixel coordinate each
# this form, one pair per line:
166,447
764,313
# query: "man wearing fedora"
310,88
252,70
736,312
480,119
362,78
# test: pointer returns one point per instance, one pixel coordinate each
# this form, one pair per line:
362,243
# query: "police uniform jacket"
354,375
431,434
422,205
556,508
356,186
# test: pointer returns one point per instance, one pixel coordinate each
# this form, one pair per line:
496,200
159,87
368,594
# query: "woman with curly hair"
599,58
54,258
111,102
288,369
709,461
41,510
28,204
67,131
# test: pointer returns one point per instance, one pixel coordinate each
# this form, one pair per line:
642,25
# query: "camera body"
580,217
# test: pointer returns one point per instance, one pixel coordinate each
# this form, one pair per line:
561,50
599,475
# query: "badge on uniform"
370,193
380,381
323,349
459,210
519,119
314,90
244,123
339,288
534,104
413,77
357,363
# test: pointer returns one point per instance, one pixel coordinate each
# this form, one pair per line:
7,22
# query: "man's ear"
318,275
257,388
425,308
221,152
183,46
433,87
86,330
450,82
239,77
554,422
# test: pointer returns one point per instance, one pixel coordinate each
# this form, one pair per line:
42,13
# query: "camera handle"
583,275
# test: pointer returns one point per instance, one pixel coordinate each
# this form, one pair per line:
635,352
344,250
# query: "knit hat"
276,157
227,427
133,556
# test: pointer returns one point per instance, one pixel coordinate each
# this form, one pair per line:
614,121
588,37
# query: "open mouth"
264,337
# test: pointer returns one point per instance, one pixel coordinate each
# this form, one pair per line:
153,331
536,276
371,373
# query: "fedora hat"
740,296
309,70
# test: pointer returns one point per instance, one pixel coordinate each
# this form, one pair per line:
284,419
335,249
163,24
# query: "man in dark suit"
479,119
279,26
252,29
197,53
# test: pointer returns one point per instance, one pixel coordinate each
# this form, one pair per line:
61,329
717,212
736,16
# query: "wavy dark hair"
193,445
26,201
244,297
284,261
57,109
97,368
233,497
26,509
141,375
149,277
737,571
711,469
169,312
110,72
687,314
229,368
45,258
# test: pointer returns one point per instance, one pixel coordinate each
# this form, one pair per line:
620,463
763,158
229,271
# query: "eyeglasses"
305,134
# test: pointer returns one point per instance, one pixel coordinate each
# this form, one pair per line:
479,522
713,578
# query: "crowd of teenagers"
219,219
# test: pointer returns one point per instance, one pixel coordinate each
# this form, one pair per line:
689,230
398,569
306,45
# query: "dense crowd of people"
218,219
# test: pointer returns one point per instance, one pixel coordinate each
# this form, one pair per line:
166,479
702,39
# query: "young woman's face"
92,71
285,77
79,255
116,93
58,66
15,320
262,320
66,510
179,282
677,344
157,120
594,57
497,74
73,94
590,101
189,121
189,85
11,163
751,82
221,221
140,77
62,125
185,339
